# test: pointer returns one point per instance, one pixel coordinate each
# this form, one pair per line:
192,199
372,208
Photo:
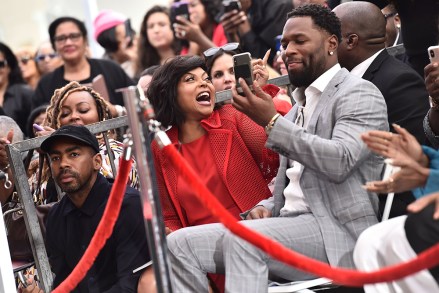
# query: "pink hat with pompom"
107,19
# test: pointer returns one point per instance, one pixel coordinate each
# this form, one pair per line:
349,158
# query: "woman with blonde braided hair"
81,105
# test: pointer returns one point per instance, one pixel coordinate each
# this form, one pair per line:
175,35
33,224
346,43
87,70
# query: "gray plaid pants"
195,251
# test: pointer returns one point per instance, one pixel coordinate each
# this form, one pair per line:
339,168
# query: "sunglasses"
43,57
227,47
387,15
24,60
63,38
3,63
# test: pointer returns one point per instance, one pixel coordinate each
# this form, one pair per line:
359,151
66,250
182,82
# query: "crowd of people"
302,165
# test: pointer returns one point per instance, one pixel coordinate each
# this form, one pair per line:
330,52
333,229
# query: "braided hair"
54,110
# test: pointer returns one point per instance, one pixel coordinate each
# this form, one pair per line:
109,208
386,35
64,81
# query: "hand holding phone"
243,69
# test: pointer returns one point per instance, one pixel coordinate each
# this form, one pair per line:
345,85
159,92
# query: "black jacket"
115,78
17,104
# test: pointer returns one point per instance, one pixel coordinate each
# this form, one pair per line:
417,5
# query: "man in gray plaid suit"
318,207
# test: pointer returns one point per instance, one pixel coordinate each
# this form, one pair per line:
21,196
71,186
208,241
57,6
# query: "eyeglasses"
227,47
387,15
3,63
43,57
63,38
24,60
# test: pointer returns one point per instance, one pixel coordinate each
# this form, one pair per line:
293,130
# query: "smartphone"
179,9
433,53
242,65
230,5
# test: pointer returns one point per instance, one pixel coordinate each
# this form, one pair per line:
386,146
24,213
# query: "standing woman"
47,59
15,95
203,30
156,41
68,36
28,66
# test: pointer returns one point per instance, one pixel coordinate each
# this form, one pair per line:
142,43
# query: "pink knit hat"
107,19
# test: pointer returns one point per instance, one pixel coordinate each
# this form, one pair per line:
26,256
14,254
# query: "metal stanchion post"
139,112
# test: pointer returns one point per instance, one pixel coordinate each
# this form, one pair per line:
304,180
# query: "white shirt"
361,68
294,198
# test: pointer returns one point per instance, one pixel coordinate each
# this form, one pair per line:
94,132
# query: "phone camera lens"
432,53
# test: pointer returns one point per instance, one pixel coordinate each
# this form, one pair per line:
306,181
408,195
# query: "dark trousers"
423,232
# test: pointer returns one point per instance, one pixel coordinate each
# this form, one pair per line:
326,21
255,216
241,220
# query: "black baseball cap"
77,132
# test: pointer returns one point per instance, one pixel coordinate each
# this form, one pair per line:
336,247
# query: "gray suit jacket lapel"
329,92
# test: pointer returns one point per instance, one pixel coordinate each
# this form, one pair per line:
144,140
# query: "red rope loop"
103,231
348,277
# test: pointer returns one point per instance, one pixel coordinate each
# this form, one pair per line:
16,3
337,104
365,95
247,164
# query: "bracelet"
271,124
6,168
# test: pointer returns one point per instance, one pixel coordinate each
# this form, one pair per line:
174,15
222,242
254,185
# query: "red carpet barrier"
103,231
348,277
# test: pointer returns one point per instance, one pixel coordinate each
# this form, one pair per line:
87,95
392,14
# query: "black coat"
403,90
115,78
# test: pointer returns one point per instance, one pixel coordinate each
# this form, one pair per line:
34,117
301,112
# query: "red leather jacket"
242,161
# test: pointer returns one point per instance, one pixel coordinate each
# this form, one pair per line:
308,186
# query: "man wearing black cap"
75,159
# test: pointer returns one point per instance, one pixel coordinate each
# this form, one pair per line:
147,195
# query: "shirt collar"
317,85
361,68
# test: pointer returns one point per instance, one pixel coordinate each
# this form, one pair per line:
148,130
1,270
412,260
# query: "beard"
72,186
309,73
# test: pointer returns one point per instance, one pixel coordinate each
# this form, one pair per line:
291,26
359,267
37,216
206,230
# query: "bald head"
364,19
363,29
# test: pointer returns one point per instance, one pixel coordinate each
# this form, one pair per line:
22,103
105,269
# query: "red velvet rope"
348,277
103,231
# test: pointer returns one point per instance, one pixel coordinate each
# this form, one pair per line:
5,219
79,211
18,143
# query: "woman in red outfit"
224,146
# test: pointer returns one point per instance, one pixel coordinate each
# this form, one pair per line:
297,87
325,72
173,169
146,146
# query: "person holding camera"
318,207
256,24
200,28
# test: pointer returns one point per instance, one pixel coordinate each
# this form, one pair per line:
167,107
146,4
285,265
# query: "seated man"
318,208
362,51
400,239
71,223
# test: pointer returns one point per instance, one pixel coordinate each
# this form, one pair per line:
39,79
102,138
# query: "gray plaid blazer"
336,161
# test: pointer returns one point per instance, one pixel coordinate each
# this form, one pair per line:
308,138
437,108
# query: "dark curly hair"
163,89
322,17
147,54
14,75
54,25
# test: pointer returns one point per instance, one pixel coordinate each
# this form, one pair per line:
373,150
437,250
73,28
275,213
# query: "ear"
351,41
332,44
97,162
